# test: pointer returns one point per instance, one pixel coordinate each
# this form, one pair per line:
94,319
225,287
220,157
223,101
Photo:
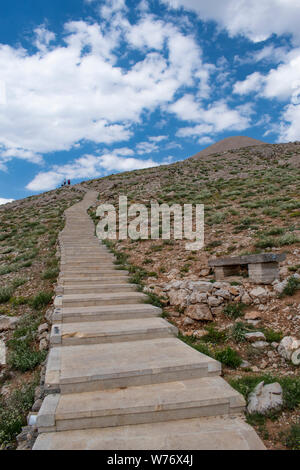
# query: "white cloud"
76,92
88,166
5,201
281,83
158,138
217,117
255,19
146,147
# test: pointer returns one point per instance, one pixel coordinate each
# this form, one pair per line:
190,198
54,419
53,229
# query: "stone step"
195,398
76,369
94,300
214,433
105,313
98,288
75,281
83,273
111,331
70,265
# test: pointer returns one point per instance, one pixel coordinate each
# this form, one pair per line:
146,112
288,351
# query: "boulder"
188,321
260,294
279,286
42,328
246,299
214,301
265,398
178,297
260,344
200,286
199,312
255,336
225,294
8,323
289,349
197,298
252,316
43,345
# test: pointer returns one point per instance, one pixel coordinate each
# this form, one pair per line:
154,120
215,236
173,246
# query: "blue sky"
94,87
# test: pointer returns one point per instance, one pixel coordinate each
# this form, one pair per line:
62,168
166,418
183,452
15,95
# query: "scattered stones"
265,398
260,294
42,328
245,365
255,336
199,333
199,312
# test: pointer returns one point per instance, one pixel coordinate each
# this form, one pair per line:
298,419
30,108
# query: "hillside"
252,205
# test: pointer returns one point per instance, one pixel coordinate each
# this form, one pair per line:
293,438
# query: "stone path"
118,378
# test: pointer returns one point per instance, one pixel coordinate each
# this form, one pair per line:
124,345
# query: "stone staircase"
117,376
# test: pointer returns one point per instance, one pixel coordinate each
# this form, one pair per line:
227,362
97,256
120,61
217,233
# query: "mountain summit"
230,143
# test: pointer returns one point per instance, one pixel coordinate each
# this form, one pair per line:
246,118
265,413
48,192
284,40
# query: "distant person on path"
69,182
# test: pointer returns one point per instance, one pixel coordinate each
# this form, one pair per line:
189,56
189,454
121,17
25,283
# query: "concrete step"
111,331
94,300
75,281
215,433
76,369
195,398
87,270
83,273
105,313
70,265
98,288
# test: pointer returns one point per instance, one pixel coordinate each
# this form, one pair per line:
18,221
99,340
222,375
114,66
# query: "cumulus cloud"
76,91
88,166
256,19
217,117
281,83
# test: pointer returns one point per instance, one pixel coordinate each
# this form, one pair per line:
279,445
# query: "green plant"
292,437
229,357
291,287
271,335
42,299
238,332
234,310
5,294
13,412
214,336
51,273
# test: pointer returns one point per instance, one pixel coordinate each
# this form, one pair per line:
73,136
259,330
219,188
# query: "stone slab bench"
262,268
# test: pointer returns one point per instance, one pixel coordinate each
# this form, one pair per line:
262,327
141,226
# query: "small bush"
5,294
292,437
292,286
214,336
234,310
41,300
51,273
238,332
229,357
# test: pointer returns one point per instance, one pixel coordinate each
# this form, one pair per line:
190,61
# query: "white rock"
279,286
287,347
178,297
265,398
225,294
200,286
259,293
197,297
260,344
8,323
214,301
2,353
221,285
42,328
246,299
255,336
199,312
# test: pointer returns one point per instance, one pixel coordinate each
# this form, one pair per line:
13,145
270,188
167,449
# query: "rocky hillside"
252,205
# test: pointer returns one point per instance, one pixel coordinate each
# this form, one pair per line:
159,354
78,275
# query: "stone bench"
262,268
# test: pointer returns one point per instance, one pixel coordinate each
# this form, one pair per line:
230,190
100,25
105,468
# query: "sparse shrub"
292,437
229,357
50,273
234,310
5,294
42,299
214,336
292,286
